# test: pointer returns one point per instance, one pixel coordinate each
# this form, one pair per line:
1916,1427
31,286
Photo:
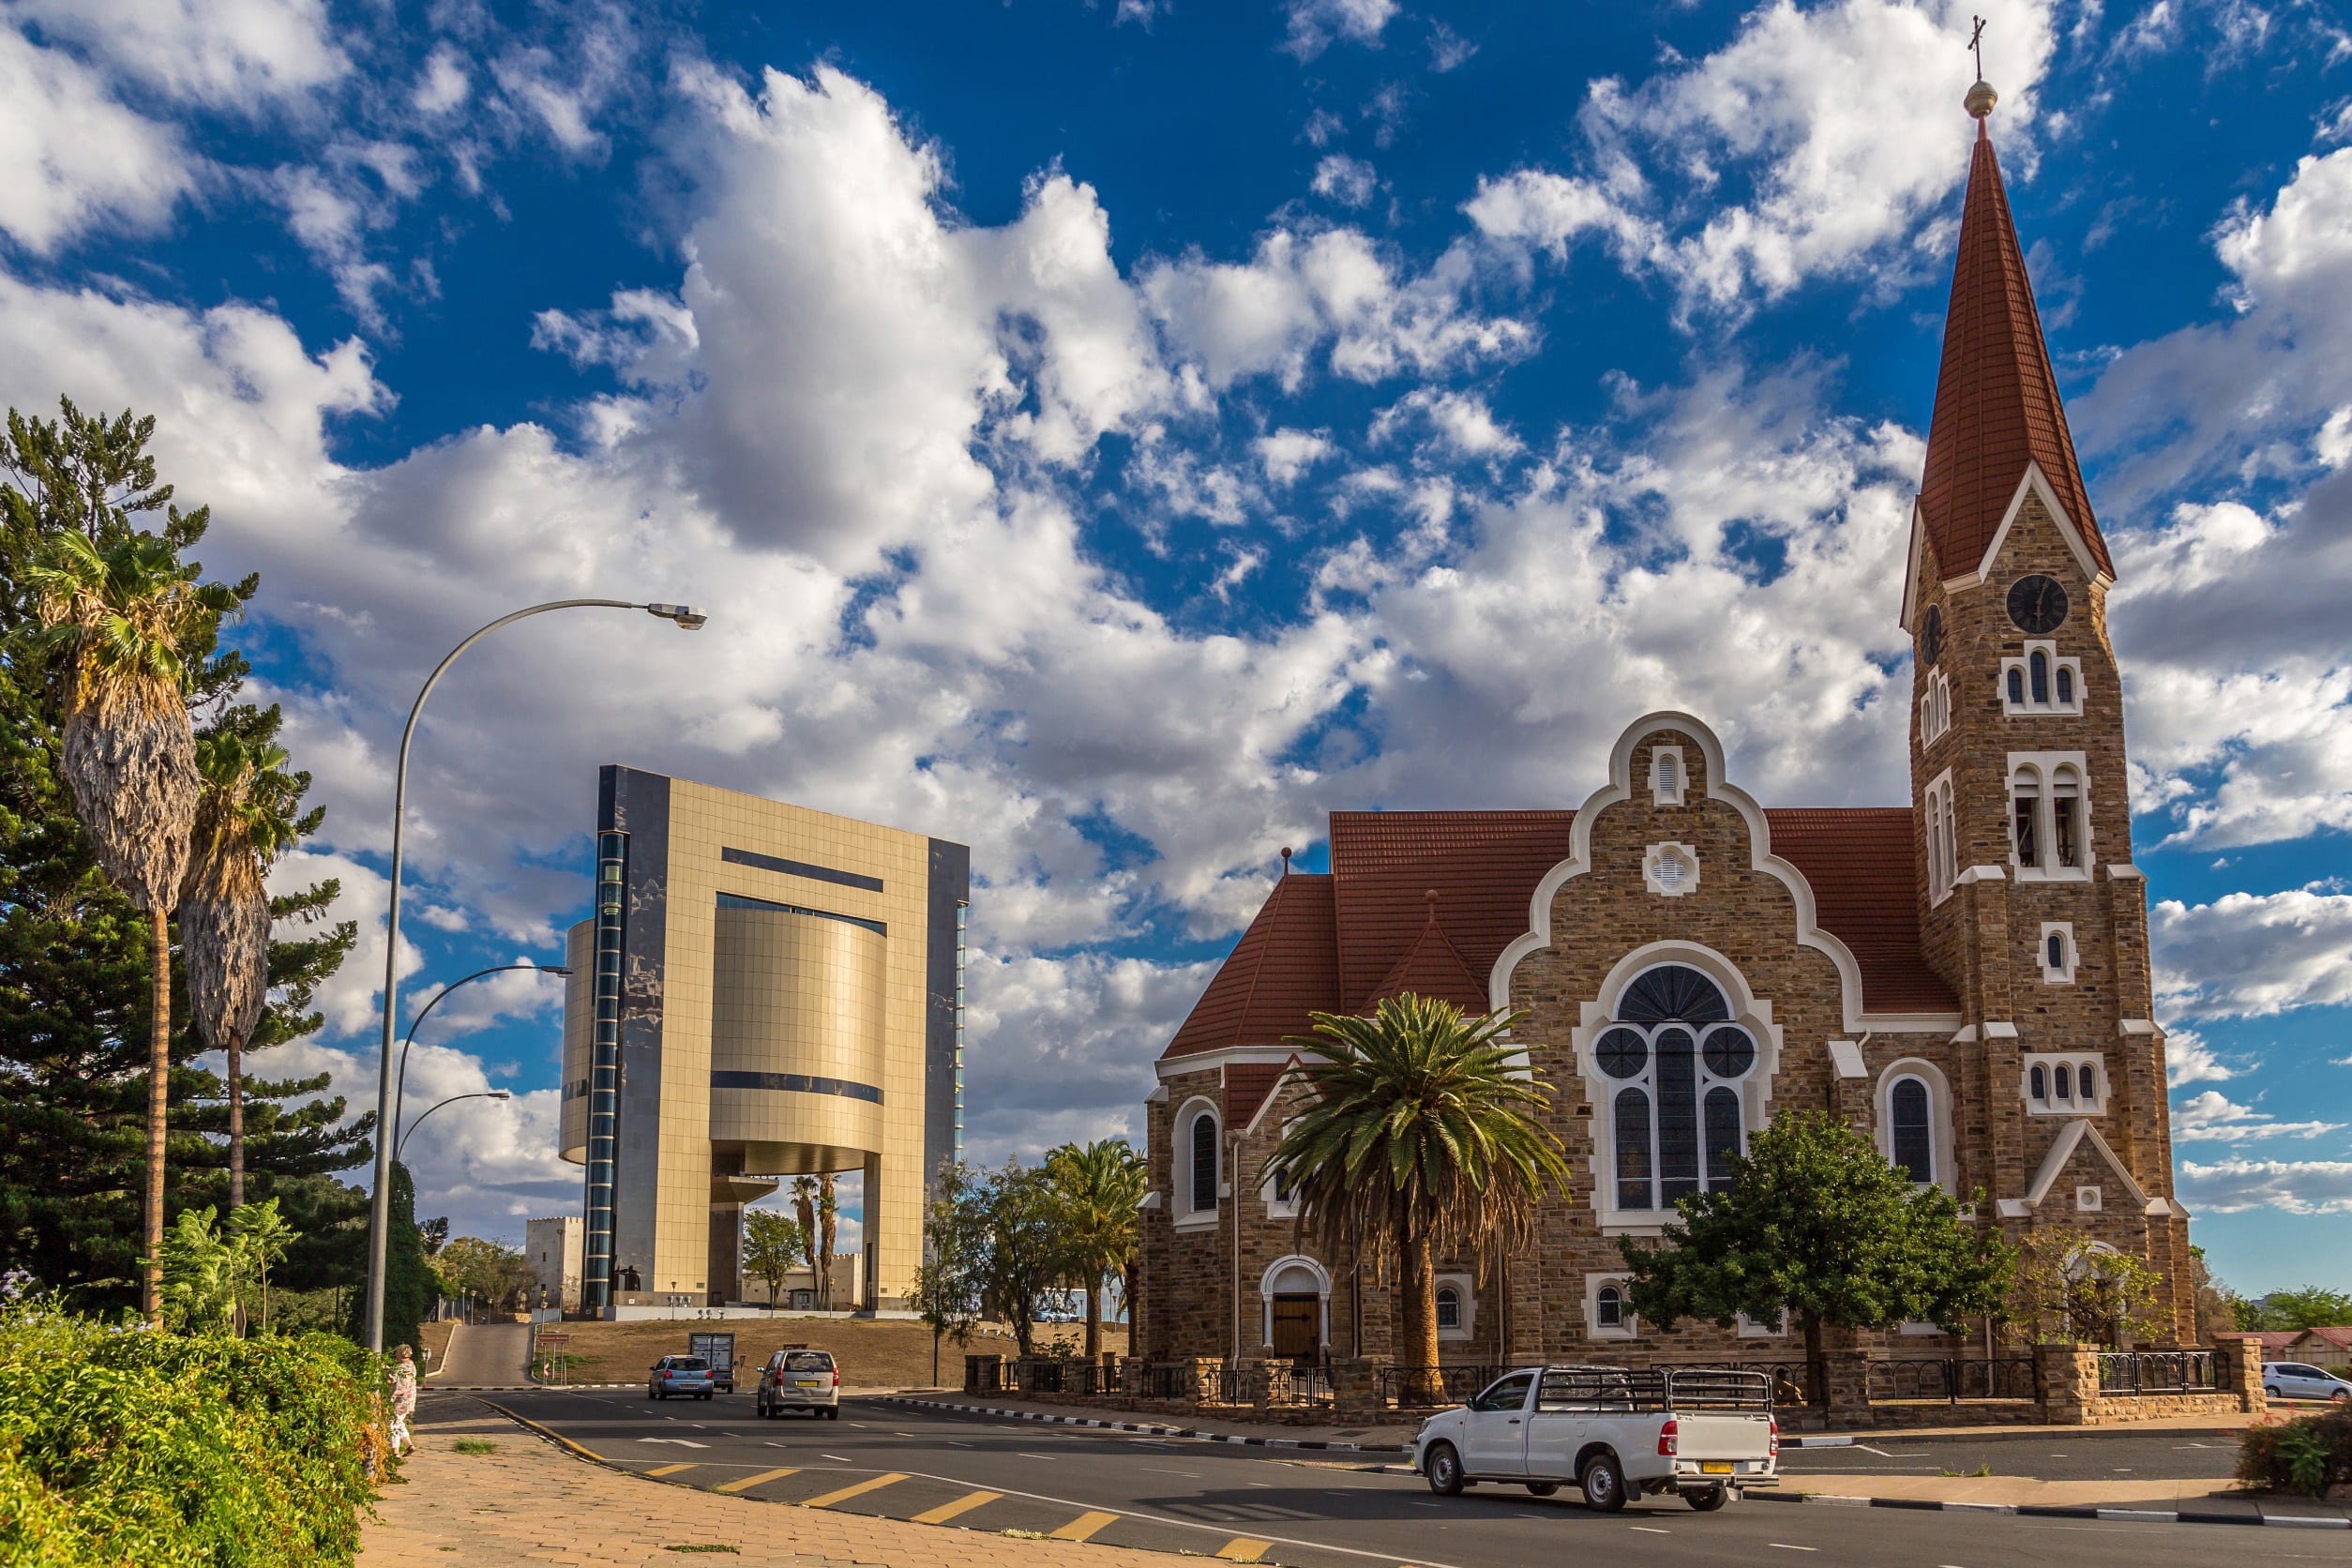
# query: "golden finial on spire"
1981,97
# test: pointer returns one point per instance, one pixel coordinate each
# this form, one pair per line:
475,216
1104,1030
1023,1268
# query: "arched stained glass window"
1914,1145
2057,950
1729,1051
1204,1162
1623,1054
2040,666
1722,1137
2037,1084
2065,686
1672,992
2088,1080
1678,1116
2016,689
1632,1150
2065,1082
1608,1309
1449,1307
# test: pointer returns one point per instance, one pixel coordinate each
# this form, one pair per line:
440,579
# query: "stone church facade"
1964,977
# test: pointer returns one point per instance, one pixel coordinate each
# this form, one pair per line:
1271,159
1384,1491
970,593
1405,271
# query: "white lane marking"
1192,1475
1650,1530
676,1442
954,1444
1786,1547
835,1458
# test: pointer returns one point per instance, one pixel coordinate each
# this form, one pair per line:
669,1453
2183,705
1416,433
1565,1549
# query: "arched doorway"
1297,1295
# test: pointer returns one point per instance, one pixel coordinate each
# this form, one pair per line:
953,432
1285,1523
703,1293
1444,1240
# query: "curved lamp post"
477,1095
400,1090
380,1201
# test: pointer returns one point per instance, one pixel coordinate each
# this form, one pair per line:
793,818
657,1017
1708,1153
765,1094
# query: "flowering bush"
2307,1455
119,1445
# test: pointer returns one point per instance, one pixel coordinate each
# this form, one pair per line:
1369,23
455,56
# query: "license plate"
811,1382
1715,1466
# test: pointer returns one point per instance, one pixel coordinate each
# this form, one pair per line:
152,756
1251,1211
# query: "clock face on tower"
2037,603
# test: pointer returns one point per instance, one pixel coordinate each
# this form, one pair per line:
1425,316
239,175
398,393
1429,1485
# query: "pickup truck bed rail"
1655,1389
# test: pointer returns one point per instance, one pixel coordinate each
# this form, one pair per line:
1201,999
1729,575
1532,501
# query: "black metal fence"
1452,1385
984,1375
1950,1379
1301,1383
2130,1372
1165,1381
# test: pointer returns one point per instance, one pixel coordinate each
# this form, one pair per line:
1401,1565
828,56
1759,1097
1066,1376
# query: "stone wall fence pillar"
1201,1386
983,1374
1845,1384
1355,1389
2068,1376
2238,1369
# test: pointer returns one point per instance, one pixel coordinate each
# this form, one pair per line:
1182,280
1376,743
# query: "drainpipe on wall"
1233,1218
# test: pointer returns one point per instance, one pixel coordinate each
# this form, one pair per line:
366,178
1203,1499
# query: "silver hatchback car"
689,1375
800,1381
2298,1380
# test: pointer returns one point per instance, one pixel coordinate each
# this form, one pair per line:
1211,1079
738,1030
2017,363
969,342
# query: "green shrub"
2307,1455
121,1446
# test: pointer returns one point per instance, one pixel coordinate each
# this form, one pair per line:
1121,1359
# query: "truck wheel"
1604,1483
1543,1488
833,1414
1706,1499
1444,1467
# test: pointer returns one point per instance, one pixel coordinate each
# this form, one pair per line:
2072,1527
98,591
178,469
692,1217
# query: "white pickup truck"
1614,1432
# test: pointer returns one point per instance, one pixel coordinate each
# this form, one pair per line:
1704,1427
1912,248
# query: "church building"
1964,977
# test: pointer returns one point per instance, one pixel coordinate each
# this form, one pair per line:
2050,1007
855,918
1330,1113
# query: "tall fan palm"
244,821
1098,1188
1420,1138
805,1210
124,622
828,1221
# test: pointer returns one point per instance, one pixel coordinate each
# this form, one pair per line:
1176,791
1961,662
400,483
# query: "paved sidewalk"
483,1355
532,1503
2011,1493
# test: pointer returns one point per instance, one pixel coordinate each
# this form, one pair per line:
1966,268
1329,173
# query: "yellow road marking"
1243,1550
858,1491
667,1469
1083,1527
947,1511
749,1480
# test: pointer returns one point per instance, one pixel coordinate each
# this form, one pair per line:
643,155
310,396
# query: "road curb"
2052,1511
1148,1428
550,1436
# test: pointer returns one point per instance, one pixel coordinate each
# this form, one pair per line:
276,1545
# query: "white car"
1614,1432
799,1378
2297,1379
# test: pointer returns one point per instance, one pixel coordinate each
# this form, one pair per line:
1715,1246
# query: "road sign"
555,1339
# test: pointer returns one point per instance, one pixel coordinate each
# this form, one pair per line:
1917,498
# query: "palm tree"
244,821
1418,1139
805,1210
1097,1188
125,621
828,1220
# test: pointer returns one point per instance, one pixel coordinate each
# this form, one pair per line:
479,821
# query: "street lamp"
399,1091
477,1095
380,1201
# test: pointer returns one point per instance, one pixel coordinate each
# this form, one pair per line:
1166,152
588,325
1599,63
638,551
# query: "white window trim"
1660,794
2074,1105
2021,663
1179,1161
1277,1208
2044,766
1468,1325
1939,1115
1631,1326
2059,975
1943,858
1935,708
1750,1329
1654,864
2089,1200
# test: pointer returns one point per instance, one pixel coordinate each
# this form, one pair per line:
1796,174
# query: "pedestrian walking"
403,1397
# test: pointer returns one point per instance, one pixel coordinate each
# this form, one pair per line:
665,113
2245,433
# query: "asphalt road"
2187,1455
1246,1504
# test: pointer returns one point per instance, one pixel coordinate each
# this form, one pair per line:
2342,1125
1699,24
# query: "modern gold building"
763,992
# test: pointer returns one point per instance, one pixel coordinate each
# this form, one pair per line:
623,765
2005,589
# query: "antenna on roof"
1286,860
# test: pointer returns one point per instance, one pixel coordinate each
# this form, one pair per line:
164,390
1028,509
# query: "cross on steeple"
1976,45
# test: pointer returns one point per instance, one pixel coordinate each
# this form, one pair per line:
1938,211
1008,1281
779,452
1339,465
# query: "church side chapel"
1964,978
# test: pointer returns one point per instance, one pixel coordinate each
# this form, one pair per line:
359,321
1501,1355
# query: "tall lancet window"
1679,1061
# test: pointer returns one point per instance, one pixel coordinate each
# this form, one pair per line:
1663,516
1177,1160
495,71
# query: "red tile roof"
1284,968
2340,1337
2275,1339
1996,401
1432,966
1247,1086
1340,942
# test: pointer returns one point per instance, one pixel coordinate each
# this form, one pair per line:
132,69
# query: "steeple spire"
1997,400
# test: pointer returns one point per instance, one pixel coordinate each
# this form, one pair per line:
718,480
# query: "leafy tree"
947,1284
409,1284
2069,1286
121,621
1418,1139
77,957
497,1274
2216,1306
1097,1188
1818,1223
204,1274
245,819
1025,1258
2310,1306
771,1247
264,1236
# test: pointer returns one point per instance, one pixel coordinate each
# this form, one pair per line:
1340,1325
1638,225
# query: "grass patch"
475,1445
1981,1469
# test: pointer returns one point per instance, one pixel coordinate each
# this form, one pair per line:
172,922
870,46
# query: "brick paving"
532,1502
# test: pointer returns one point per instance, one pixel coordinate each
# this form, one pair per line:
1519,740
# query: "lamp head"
501,1093
554,969
687,617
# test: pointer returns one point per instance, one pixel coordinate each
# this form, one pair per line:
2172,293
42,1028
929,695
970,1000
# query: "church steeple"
1996,401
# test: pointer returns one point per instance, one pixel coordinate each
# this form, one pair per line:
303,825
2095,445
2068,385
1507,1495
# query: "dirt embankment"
872,1353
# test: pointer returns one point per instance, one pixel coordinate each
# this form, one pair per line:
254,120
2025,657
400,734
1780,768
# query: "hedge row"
2307,1455
126,1447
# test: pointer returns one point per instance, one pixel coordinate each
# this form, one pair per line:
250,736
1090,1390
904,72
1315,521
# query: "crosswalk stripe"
860,1490
947,1511
1082,1528
746,1483
1243,1550
667,1469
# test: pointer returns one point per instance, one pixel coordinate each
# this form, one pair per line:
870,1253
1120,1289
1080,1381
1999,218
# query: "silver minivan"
2298,1380
798,1380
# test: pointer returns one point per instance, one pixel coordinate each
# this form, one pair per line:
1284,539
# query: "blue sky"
1117,434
